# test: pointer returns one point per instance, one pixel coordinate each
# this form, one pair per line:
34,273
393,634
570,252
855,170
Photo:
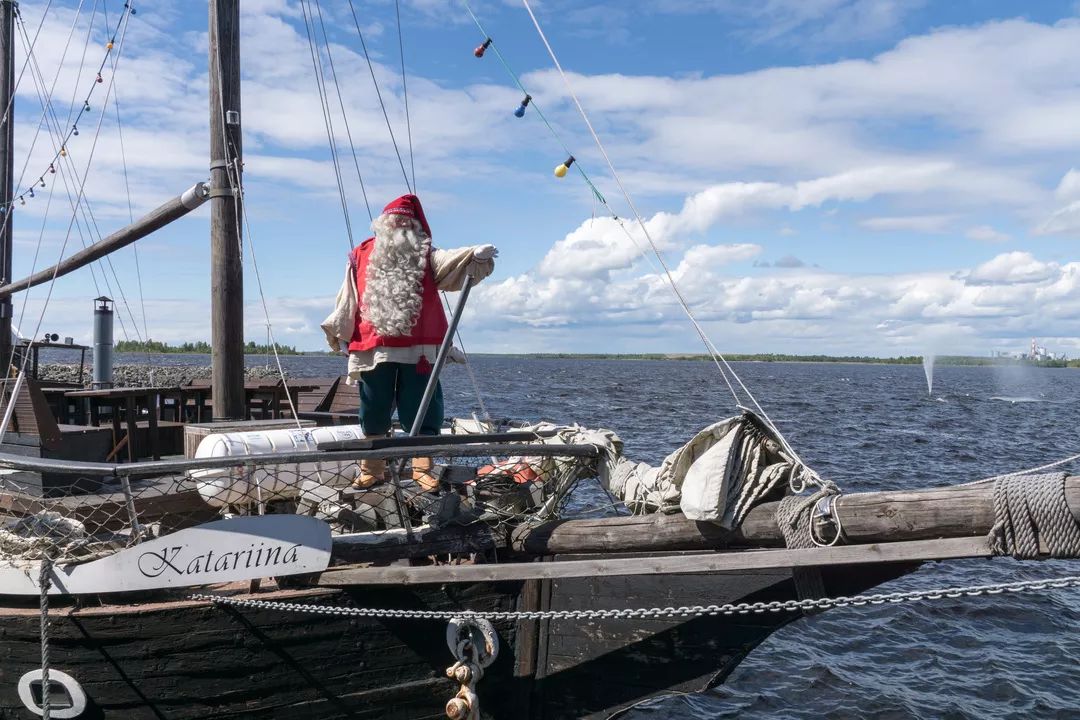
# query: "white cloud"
1013,267
986,233
1069,187
911,223
1064,221
789,261
808,139
814,21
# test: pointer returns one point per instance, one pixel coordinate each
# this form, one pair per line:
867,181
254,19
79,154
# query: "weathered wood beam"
226,216
7,170
914,551
174,209
964,510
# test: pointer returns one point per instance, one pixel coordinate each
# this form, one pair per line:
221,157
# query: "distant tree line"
197,348
782,357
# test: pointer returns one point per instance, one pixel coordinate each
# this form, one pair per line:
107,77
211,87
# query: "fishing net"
73,512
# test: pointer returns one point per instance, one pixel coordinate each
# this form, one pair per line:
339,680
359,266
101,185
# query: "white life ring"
71,704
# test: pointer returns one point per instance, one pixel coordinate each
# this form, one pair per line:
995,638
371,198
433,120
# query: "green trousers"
389,384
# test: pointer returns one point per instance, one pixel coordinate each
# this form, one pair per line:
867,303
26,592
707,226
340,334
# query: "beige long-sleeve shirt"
451,269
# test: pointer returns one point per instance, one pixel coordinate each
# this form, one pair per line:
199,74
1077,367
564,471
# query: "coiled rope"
1031,514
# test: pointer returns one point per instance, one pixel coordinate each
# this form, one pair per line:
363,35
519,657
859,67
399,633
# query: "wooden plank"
914,551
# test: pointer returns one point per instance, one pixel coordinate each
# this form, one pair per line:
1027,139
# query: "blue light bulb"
520,112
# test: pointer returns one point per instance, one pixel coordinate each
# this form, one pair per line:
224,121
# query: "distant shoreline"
969,360
940,360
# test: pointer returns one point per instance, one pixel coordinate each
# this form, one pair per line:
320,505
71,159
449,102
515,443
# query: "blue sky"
823,176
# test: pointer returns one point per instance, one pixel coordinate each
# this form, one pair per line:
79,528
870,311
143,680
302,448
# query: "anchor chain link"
776,606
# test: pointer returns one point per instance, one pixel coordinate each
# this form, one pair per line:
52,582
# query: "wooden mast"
226,260
7,169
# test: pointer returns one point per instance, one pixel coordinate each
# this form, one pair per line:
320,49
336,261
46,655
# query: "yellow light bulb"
108,45
561,171
63,152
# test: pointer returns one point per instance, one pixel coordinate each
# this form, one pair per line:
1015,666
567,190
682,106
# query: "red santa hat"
408,205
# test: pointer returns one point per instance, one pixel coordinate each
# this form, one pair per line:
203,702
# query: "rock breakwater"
146,376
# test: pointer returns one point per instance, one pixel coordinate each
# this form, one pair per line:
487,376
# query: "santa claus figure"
389,318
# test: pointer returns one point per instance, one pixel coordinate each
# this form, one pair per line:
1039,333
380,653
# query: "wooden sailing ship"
259,584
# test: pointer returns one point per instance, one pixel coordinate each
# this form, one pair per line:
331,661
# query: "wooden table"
271,397
131,400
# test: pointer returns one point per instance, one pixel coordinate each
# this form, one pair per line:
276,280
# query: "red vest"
430,326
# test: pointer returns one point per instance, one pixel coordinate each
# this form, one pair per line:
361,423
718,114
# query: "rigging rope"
83,206
73,131
324,102
378,93
405,93
123,26
468,362
718,360
344,115
813,476
44,581
596,194
131,215
18,81
81,203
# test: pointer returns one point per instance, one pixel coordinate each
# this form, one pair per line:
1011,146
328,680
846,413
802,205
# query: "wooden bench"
339,406
34,432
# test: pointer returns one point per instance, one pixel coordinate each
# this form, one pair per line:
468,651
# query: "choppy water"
868,427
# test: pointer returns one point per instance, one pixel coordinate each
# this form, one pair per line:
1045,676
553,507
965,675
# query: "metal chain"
668,612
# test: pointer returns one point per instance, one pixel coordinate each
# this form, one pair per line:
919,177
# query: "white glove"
485,252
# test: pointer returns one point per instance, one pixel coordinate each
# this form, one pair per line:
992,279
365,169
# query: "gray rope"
793,516
1030,510
43,583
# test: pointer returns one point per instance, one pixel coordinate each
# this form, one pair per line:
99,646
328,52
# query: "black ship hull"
180,659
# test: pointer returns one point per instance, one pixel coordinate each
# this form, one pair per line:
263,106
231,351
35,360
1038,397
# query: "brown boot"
423,474
371,473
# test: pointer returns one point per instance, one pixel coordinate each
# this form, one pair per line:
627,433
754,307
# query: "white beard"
394,279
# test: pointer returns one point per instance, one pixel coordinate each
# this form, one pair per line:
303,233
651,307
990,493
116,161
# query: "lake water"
867,427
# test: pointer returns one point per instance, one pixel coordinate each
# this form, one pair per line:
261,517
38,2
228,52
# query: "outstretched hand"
485,252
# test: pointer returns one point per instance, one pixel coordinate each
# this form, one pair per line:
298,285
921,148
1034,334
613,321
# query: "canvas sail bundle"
717,476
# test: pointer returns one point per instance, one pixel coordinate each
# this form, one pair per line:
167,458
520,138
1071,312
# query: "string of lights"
561,171
29,191
529,101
